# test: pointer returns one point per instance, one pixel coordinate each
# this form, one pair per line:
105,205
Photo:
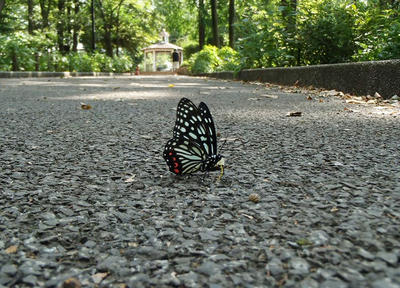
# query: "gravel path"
86,198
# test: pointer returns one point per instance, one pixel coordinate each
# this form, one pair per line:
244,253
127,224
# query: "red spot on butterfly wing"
176,170
176,164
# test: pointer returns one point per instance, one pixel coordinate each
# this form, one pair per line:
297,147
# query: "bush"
24,52
212,59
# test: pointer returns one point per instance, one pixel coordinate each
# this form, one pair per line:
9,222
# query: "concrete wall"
360,78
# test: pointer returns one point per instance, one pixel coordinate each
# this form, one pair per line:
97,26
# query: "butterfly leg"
222,173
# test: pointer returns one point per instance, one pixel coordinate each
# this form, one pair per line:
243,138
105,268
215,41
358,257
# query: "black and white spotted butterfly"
194,143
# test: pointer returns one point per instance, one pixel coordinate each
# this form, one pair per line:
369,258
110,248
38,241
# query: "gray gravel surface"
86,198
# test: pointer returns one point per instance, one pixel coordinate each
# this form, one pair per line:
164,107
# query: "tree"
201,24
45,6
30,16
231,23
109,12
2,2
62,47
214,17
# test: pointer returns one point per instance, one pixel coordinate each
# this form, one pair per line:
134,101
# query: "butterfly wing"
209,127
191,125
183,156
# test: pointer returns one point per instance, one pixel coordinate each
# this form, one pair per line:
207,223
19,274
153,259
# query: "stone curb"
361,78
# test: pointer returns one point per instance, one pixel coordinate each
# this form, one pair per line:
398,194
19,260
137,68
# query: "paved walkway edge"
25,74
361,78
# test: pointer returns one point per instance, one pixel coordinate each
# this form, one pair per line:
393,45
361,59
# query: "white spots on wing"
183,129
206,147
201,130
186,123
192,135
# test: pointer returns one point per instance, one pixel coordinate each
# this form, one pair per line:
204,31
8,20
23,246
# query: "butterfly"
193,146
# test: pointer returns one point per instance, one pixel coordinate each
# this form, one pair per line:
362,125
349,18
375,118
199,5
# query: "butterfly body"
194,143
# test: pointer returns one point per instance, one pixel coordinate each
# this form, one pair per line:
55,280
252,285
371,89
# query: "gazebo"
158,57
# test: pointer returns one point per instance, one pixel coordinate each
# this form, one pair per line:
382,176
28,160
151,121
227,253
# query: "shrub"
212,59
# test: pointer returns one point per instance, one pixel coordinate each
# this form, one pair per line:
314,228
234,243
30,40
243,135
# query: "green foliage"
268,33
378,34
24,52
190,49
326,32
212,59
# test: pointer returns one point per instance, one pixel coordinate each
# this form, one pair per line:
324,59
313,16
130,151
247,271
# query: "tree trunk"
231,23
60,26
202,27
93,27
108,41
44,11
2,3
76,26
30,16
214,17
14,60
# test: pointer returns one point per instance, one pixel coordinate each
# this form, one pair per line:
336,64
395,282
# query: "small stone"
189,279
274,267
9,269
209,268
111,264
299,265
333,283
98,277
395,97
30,279
254,197
389,258
319,237
384,283
365,254
308,283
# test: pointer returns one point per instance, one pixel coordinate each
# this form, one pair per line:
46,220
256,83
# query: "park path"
85,193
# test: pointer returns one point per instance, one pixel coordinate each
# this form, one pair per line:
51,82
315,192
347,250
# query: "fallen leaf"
12,249
309,97
334,209
71,283
171,85
86,106
293,114
254,197
130,179
269,96
321,101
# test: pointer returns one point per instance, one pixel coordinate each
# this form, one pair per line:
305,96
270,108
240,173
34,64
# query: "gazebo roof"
162,46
